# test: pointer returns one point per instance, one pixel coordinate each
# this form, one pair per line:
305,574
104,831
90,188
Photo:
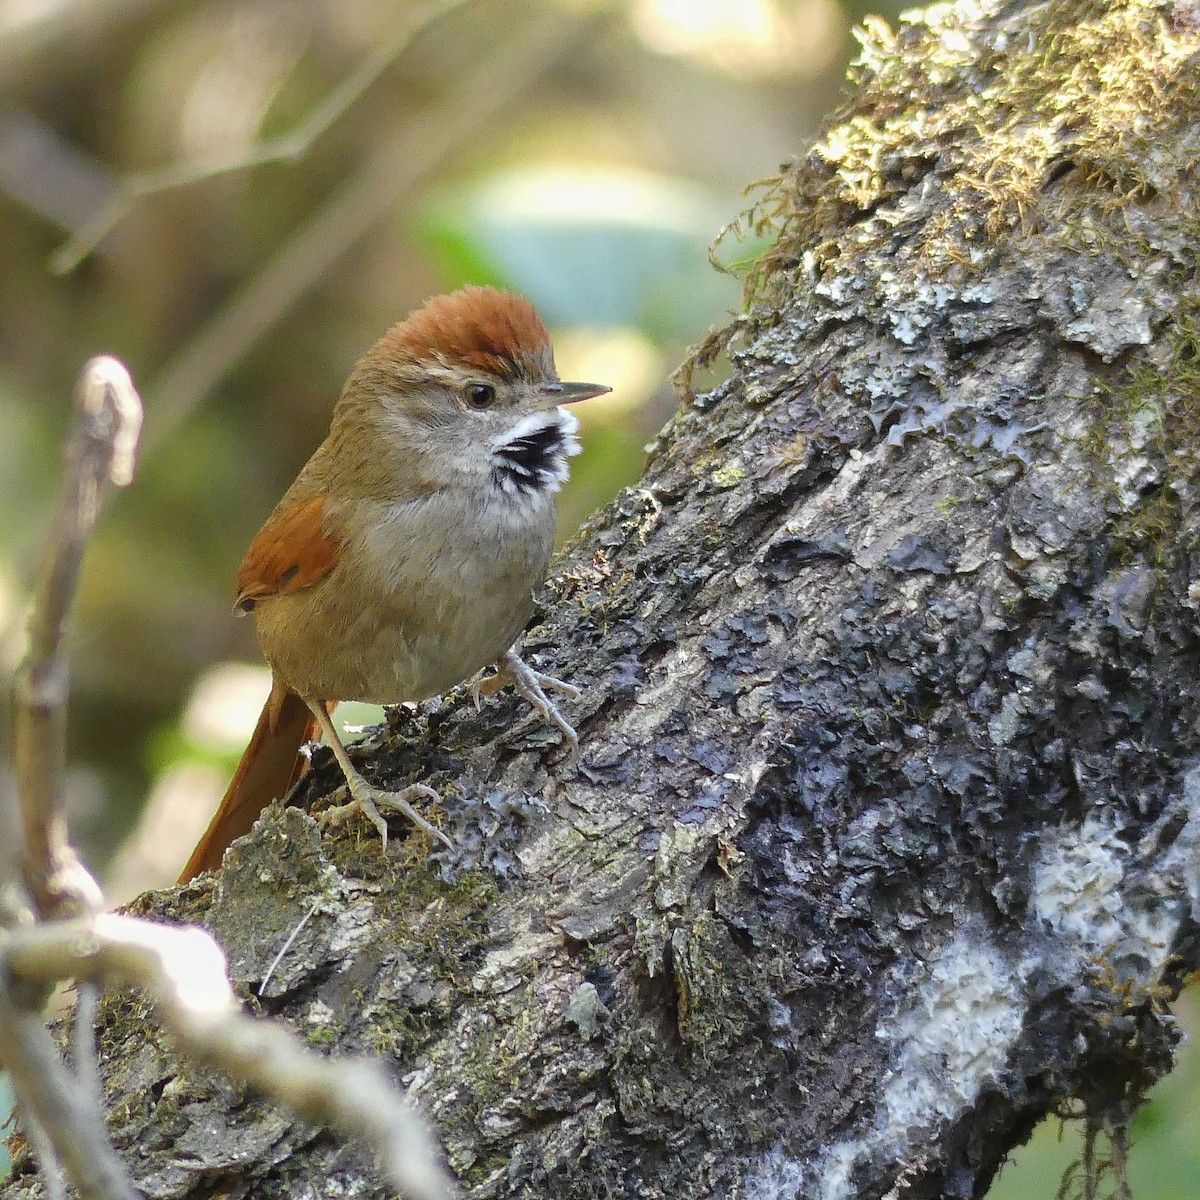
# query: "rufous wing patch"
290,552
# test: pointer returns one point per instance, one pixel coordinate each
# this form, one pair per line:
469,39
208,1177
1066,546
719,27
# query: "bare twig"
184,972
64,1119
101,448
286,148
182,969
65,1115
398,169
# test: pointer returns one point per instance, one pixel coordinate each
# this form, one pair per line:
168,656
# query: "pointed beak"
571,393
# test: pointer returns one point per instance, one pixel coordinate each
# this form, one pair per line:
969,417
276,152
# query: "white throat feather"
531,455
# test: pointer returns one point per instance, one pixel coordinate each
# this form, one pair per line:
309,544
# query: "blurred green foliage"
589,247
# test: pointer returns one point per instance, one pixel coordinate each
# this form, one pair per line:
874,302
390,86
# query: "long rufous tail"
271,764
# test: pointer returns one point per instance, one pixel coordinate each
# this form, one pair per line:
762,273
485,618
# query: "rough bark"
885,838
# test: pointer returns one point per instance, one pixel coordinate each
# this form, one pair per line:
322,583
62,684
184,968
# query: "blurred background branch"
285,148
66,1127
64,1118
100,449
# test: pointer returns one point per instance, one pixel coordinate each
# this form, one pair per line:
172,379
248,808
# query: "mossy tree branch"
884,838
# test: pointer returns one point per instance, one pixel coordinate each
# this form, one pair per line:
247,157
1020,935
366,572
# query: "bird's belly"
410,661
407,616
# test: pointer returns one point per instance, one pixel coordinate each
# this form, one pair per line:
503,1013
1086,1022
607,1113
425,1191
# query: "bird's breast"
426,593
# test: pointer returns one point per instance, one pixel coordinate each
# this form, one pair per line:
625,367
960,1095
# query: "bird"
406,555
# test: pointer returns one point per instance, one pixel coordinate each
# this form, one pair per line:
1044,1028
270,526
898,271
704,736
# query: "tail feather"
271,765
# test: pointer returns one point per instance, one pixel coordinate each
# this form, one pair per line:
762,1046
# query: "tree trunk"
885,837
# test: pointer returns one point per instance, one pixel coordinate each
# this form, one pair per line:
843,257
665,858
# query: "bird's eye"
479,395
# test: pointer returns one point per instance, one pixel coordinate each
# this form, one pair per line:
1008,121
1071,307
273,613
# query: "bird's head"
467,385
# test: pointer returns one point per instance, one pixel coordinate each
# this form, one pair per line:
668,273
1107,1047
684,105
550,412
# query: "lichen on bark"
883,841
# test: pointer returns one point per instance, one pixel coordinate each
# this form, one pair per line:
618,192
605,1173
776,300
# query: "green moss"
472,1176
1099,1173
1149,533
1153,411
440,929
711,987
713,534
992,113
728,476
493,1064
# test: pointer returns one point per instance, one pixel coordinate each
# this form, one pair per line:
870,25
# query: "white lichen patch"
910,310
954,1029
352,927
838,286
775,1176
318,1015
1132,475
1184,856
1092,888
1077,881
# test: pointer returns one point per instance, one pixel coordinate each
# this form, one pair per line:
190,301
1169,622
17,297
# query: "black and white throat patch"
532,455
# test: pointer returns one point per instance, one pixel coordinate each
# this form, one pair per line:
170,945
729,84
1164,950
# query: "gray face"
502,432
505,430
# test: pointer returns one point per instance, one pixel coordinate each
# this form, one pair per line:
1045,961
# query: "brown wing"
291,551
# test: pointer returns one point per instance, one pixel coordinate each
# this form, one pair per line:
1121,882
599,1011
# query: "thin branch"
398,169
286,148
61,1114
182,969
101,447
304,920
85,1057
184,972
64,1113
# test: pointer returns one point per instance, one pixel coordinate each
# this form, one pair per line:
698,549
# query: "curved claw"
510,668
369,800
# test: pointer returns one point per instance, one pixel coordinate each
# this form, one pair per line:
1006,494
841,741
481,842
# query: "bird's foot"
533,685
369,800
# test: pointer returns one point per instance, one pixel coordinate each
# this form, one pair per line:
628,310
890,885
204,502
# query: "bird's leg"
533,686
367,799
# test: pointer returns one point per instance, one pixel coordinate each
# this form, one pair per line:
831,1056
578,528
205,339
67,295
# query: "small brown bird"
406,555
